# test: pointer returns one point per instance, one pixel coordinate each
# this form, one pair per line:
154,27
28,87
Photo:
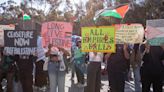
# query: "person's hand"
64,51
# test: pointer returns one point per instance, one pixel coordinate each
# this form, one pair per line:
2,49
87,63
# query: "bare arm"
107,56
49,50
126,53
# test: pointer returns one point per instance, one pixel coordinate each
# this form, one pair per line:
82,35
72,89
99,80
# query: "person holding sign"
94,72
57,68
135,61
152,69
40,74
117,66
25,70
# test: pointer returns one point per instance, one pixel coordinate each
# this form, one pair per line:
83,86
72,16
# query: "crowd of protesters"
147,63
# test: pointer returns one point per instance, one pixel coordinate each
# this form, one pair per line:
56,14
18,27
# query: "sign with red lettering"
57,33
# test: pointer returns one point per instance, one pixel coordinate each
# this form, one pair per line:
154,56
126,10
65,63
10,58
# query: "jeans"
79,74
56,77
137,79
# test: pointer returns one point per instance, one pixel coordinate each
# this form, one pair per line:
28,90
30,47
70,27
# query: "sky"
18,1
46,9
72,1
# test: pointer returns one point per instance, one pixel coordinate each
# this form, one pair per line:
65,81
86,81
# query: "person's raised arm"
126,52
49,50
107,55
66,53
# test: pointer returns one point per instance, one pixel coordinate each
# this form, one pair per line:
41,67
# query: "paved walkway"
70,86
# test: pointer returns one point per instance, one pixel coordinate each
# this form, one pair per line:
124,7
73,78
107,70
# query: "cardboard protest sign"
98,39
20,42
57,33
7,27
154,32
2,28
133,33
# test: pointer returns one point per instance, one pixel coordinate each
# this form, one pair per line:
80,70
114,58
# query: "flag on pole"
26,17
117,13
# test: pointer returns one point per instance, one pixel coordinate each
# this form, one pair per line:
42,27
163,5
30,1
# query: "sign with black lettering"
20,42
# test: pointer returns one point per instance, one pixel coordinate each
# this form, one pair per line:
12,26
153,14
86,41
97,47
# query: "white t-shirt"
40,50
95,58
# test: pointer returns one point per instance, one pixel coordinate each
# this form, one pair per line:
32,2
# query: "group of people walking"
146,61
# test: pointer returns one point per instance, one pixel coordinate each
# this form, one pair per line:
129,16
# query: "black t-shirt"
25,63
153,61
117,61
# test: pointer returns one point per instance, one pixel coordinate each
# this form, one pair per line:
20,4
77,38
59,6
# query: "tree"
91,7
9,12
154,9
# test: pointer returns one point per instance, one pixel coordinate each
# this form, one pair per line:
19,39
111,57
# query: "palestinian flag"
117,13
26,17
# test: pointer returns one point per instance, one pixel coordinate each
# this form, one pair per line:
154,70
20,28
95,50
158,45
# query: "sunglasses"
54,55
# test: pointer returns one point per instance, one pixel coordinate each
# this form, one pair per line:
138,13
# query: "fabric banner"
2,28
98,39
133,33
20,42
154,32
57,33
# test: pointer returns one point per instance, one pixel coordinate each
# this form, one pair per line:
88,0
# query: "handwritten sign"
20,42
57,33
133,33
2,28
98,39
155,32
